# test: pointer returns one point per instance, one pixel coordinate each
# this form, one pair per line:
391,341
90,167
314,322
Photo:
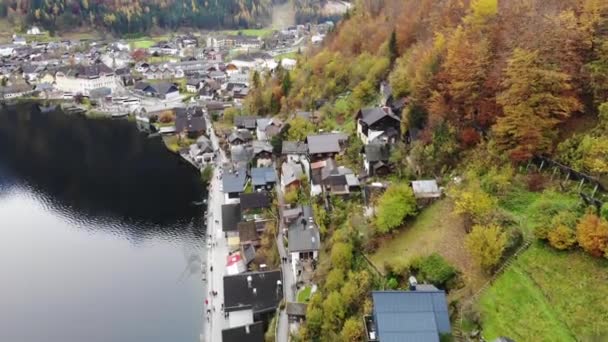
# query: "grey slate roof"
263,175
244,121
325,143
303,233
426,189
190,119
261,146
403,316
231,216
294,147
165,88
291,172
296,309
234,182
241,154
372,115
243,135
204,144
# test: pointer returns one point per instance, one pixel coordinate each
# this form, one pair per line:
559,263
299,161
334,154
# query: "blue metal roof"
405,316
263,175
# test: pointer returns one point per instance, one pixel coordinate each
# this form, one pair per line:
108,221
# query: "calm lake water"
99,237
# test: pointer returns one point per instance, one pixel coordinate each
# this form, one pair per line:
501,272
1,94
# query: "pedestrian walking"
206,301
211,268
214,308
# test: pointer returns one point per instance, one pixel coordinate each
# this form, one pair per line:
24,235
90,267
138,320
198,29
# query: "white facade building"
82,79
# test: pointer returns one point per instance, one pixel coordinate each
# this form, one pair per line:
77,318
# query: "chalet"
245,122
327,145
376,159
239,137
267,128
378,125
193,85
296,312
233,184
241,156
190,121
263,178
80,79
202,150
291,175
15,90
304,241
420,314
328,177
262,153
294,151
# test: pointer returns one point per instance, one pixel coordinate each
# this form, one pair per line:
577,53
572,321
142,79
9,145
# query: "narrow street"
288,277
217,250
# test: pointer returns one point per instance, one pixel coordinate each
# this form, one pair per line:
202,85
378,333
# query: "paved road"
216,255
288,278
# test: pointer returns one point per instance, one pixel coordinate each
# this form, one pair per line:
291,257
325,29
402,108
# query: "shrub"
561,237
592,234
536,182
604,211
486,244
434,269
392,283
396,204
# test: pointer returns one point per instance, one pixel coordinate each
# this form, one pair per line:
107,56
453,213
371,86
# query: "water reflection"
98,170
99,240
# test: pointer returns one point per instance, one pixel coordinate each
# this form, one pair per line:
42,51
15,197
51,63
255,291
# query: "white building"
82,79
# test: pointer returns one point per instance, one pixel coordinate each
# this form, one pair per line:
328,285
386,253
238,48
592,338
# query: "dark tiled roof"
189,119
262,296
87,71
248,333
372,115
256,200
165,88
231,216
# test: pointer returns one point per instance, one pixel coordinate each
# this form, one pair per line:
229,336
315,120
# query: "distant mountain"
136,16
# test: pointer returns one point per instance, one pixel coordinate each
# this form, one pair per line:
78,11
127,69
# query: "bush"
166,117
562,237
392,284
395,205
604,211
536,182
434,269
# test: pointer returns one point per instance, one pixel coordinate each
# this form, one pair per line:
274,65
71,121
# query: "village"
264,243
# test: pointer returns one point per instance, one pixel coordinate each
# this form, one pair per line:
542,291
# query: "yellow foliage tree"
486,244
592,234
562,237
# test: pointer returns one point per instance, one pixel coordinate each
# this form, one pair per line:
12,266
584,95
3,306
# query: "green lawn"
548,295
435,230
250,32
304,294
142,43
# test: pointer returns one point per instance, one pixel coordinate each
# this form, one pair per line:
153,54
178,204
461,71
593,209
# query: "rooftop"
248,333
262,291
402,316
261,176
325,143
231,216
256,200
303,233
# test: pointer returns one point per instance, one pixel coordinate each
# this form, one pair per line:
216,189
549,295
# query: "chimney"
413,282
386,109
249,281
247,331
279,289
255,291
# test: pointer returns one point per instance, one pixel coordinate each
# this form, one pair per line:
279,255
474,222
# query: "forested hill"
517,74
135,16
